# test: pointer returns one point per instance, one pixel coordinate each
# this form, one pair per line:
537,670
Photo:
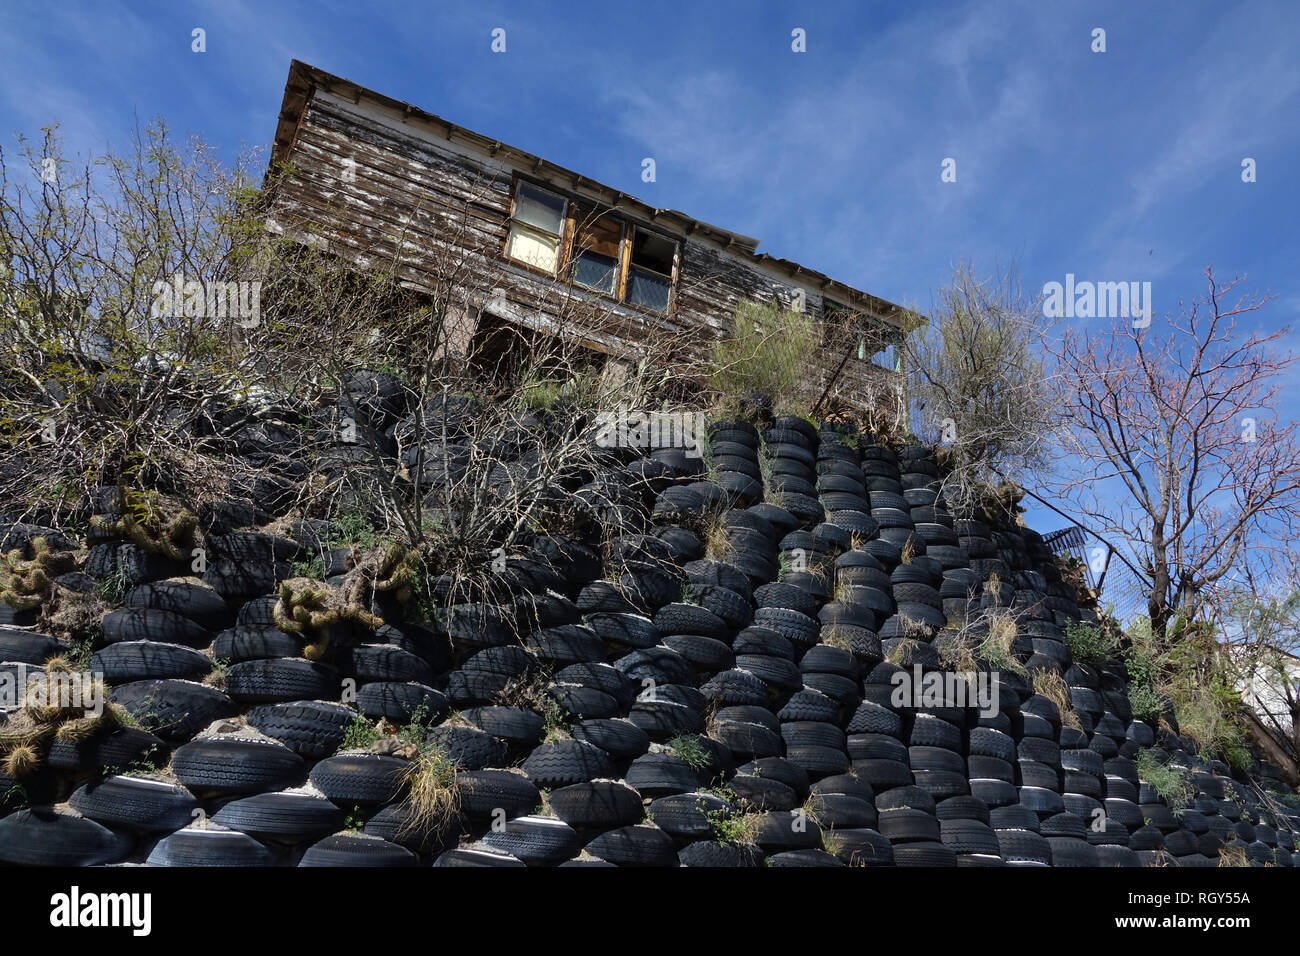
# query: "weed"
1172,784
1052,685
1089,645
360,734
689,749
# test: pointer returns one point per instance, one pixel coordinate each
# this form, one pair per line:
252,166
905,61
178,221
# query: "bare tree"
978,385
1178,458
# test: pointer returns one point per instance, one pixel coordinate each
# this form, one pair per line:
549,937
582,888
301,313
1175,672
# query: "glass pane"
648,290
539,208
653,252
595,271
535,248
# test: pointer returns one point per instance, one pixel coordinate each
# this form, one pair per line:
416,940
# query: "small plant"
1052,685
902,651
112,589
219,674
354,819
416,728
360,734
353,528
1088,645
1172,784
763,361
689,749
313,569
141,520
432,797
1147,705
24,585
729,824
1231,856
998,644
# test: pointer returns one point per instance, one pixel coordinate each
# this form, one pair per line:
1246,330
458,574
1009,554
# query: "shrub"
765,358
1089,645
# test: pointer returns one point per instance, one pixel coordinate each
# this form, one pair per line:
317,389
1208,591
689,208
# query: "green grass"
1173,784
359,735
314,569
689,749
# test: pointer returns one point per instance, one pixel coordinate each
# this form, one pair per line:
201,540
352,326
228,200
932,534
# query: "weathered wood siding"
377,189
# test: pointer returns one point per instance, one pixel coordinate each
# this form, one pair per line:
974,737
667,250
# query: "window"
537,227
594,248
650,275
597,252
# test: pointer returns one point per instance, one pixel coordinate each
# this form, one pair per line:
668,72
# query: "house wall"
372,184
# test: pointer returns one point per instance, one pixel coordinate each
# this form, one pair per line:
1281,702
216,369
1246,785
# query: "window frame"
514,222
567,250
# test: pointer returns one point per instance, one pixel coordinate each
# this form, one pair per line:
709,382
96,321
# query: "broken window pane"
653,252
647,289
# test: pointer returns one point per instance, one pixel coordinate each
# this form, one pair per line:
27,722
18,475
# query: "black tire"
642,845
247,643
628,630
597,803
281,680
618,738
128,661
174,710
356,849
399,701
283,816
358,778
120,747
152,624
484,792
705,653
149,804
731,607
314,729
658,774
535,840
385,662
926,854
209,846
231,765
687,816
515,725
796,627
566,762
187,598
468,747
775,672
1023,846
681,618
58,837
566,644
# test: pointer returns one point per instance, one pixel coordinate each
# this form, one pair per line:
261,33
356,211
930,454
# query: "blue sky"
1123,165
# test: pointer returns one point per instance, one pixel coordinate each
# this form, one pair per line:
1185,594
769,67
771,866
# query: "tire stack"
695,674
